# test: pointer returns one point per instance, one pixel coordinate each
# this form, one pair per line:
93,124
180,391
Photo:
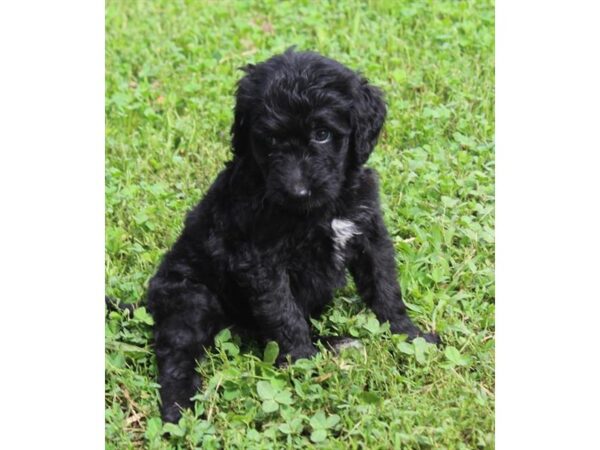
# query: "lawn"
171,68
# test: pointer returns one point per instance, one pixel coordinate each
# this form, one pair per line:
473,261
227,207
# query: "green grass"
170,76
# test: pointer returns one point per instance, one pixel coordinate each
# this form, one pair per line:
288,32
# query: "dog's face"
305,120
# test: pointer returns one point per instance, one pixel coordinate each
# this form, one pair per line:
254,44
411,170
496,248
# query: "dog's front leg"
280,318
374,270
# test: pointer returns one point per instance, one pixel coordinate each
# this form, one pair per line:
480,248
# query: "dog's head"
306,120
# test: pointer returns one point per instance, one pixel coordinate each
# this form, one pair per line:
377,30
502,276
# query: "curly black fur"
269,244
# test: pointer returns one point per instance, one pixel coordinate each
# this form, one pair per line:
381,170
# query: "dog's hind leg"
186,316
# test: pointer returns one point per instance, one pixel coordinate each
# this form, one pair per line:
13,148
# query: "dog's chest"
324,245
317,266
343,230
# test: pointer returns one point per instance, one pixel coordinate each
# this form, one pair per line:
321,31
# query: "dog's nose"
299,191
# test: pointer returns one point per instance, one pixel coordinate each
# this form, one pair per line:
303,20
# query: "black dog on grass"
269,244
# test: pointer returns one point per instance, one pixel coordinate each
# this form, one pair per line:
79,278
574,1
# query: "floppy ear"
243,102
368,115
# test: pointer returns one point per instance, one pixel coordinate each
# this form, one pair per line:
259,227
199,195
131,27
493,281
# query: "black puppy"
269,244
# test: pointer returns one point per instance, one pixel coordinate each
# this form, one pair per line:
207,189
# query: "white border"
51,187
52,224
548,224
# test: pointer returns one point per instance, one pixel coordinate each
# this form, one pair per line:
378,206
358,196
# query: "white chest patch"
343,230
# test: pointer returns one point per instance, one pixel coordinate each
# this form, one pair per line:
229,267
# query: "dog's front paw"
432,338
405,326
295,354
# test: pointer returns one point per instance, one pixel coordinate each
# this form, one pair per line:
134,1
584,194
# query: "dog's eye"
321,135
